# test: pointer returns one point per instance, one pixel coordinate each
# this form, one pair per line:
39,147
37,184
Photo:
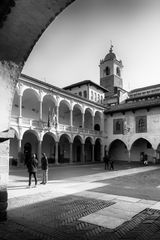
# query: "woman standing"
44,166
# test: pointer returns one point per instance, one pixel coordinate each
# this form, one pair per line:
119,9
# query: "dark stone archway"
16,19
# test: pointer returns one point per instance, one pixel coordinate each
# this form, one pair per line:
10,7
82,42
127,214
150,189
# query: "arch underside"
31,17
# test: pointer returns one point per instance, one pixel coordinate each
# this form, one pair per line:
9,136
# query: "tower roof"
111,55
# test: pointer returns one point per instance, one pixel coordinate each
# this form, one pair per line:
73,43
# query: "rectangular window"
80,93
118,126
91,95
141,124
95,97
98,98
85,94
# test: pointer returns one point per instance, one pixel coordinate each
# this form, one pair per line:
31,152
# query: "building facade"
73,124
68,128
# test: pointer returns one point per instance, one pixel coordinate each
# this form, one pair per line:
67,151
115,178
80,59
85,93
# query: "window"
98,98
101,99
141,124
80,93
118,71
85,94
95,97
118,126
107,71
91,95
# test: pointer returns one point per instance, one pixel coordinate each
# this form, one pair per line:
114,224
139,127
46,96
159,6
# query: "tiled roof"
84,83
145,88
133,105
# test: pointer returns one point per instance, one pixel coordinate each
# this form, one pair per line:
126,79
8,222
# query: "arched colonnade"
63,148
54,110
130,151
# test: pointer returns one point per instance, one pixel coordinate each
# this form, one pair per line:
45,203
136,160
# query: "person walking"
111,164
106,158
44,167
32,165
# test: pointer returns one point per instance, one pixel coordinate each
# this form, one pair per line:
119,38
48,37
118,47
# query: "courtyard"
85,202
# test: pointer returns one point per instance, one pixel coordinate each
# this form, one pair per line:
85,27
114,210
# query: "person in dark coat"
106,158
32,166
44,167
111,163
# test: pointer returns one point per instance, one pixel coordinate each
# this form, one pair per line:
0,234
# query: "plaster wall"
92,91
130,136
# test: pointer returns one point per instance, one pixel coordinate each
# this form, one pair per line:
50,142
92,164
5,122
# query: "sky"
71,48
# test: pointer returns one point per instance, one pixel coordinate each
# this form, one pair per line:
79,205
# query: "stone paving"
71,209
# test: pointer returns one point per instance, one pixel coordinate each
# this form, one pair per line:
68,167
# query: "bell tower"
110,72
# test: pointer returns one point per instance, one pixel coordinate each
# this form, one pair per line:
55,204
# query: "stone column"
92,152
39,152
71,153
20,105
19,150
57,115
102,124
92,122
9,73
40,110
82,120
56,155
83,153
71,118
102,153
129,156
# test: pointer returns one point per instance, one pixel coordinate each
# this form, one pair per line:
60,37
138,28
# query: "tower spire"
111,47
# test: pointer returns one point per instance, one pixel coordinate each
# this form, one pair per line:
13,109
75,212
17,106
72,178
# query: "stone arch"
77,149
49,146
97,150
88,149
97,121
30,104
48,107
157,153
79,106
64,149
13,54
118,150
88,123
77,115
141,145
30,143
64,112
15,131
51,96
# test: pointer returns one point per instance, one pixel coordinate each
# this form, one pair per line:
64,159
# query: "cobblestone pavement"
39,216
59,219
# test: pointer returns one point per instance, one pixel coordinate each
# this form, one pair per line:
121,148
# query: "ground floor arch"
64,151
49,147
88,155
77,149
118,151
29,144
140,146
97,151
